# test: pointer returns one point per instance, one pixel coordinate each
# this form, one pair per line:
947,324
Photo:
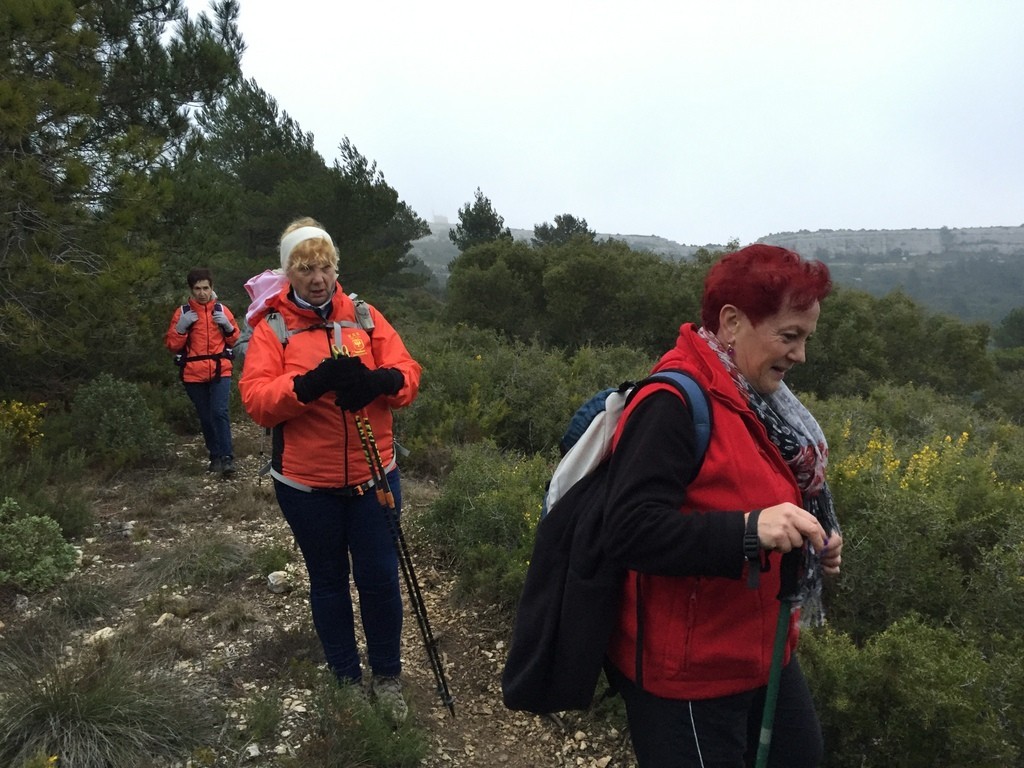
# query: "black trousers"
723,732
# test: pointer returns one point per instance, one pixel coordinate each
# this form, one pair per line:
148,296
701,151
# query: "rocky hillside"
436,250
846,243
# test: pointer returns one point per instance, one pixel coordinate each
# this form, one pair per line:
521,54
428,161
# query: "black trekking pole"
789,572
386,498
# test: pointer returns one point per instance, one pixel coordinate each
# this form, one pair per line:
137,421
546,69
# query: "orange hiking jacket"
316,444
203,338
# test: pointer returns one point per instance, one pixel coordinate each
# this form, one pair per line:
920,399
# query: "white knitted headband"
292,239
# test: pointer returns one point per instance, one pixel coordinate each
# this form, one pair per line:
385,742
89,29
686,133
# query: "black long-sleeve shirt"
649,471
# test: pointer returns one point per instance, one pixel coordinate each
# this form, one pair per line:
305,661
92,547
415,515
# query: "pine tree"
94,99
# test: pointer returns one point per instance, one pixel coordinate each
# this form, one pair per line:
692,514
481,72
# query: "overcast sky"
696,121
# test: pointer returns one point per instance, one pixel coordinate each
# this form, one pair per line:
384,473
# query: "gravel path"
144,511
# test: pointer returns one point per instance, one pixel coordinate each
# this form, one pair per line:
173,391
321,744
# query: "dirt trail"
147,510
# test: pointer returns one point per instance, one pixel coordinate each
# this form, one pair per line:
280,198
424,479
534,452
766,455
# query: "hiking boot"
216,465
388,692
227,466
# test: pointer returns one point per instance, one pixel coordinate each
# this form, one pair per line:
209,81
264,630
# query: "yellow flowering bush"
931,500
41,760
924,521
931,461
22,422
877,461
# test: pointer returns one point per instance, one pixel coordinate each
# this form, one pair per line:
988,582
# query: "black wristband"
752,549
751,542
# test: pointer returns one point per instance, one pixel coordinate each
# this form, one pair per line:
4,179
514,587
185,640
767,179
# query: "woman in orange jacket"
331,363
201,335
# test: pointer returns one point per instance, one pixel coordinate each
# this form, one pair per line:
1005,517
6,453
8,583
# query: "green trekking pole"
790,577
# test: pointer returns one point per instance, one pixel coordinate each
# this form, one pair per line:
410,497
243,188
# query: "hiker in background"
691,654
201,336
307,394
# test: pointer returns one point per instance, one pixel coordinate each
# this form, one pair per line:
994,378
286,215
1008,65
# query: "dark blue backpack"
588,439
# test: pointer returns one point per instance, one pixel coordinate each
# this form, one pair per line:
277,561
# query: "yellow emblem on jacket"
356,345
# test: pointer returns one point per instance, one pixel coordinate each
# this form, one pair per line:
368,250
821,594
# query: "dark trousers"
211,400
723,732
330,529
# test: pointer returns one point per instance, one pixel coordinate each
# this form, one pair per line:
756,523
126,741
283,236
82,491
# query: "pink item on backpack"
261,288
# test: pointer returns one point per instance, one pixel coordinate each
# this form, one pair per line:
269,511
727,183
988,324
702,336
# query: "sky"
700,122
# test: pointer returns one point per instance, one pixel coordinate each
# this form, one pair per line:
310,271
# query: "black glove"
383,381
335,373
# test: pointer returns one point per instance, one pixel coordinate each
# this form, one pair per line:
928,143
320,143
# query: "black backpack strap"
183,357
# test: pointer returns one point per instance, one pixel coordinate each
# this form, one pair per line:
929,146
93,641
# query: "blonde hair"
315,252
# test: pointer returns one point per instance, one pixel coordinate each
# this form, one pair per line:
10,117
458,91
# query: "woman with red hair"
704,542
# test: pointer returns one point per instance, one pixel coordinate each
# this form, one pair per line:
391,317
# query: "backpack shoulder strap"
696,399
363,316
698,402
276,322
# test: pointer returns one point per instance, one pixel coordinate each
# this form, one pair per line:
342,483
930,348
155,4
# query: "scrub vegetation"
136,150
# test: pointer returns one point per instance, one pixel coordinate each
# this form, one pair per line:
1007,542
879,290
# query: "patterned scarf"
799,438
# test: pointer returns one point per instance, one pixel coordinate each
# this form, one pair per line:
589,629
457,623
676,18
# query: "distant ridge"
436,250
838,243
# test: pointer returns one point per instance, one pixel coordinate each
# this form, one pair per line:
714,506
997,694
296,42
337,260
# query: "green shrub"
484,519
458,400
271,557
69,507
994,591
263,714
921,522
46,485
908,414
924,643
541,389
914,696
33,554
477,386
172,406
111,420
